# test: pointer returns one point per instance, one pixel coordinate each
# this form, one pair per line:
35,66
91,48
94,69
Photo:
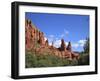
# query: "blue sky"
73,28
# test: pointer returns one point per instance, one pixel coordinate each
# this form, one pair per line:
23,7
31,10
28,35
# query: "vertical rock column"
63,45
69,48
41,38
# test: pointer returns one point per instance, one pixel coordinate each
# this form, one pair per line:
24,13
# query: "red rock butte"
35,42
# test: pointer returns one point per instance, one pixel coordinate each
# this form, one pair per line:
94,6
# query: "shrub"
30,60
50,60
84,59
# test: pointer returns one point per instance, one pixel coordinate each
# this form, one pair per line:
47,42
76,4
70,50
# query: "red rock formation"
28,35
41,38
52,45
69,48
46,43
63,45
34,40
75,55
31,34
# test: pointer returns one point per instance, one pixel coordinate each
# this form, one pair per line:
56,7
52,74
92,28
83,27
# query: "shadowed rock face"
34,41
69,48
63,45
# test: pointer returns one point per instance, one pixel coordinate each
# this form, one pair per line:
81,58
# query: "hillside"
38,48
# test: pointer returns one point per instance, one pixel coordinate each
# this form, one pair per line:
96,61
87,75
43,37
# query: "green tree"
86,46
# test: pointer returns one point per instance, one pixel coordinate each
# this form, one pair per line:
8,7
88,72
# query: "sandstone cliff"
34,41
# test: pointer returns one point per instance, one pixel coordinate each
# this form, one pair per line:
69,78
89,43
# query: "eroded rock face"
41,38
28,35
75,55
34,40
46,43
63,45
69,48
32,35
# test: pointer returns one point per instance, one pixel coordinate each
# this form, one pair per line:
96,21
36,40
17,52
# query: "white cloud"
57,43
66,43
75,45
51,38
45,38
57,40
78,44
81,42
50,43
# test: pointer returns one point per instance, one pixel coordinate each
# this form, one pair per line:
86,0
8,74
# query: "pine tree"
86,46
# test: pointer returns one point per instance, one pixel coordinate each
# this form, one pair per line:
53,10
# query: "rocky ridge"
35,41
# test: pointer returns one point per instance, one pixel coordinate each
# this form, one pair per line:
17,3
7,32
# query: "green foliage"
86,46
84,56
84,59
48,60
30,60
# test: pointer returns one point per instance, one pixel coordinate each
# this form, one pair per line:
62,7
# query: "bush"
84,59
30,60
50,60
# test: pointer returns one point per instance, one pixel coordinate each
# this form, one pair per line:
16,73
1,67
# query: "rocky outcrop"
46,43
28,35
63,45
69,48
33,35
34,41
41,38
